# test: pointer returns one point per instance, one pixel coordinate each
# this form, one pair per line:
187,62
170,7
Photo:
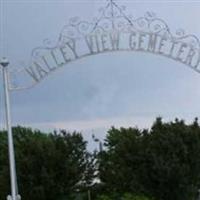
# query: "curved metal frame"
112,18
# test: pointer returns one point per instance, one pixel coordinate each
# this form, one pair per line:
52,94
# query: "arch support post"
11,152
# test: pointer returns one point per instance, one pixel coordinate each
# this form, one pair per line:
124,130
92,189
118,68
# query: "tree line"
160,163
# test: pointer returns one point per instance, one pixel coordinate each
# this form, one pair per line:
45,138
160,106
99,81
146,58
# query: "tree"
4,170
162,162
48,165
119,163
174,152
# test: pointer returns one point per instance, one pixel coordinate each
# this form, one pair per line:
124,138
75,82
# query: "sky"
100,91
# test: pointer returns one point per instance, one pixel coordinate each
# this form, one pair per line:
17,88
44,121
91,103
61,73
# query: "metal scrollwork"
114,18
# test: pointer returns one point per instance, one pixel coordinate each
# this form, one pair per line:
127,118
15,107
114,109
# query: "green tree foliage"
126,196
129,196
162,162
48,165
4,170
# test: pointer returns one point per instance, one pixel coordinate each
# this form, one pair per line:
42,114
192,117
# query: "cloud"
121,89
94,124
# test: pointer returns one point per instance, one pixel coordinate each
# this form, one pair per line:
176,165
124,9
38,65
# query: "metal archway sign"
112,31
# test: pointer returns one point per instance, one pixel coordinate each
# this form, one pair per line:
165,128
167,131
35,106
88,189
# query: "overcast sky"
92,94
